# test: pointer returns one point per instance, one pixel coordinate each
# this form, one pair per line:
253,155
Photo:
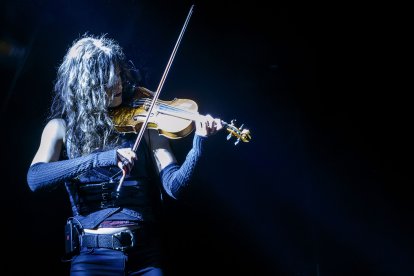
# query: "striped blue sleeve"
175,178
46,176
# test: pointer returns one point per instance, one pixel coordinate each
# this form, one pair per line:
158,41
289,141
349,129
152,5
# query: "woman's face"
115,92
117,96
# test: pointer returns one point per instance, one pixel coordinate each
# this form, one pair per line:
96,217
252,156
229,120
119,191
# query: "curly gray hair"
89,69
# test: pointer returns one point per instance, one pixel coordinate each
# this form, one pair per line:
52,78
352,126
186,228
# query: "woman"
110,233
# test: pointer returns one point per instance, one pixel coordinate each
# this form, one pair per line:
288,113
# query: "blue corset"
94,199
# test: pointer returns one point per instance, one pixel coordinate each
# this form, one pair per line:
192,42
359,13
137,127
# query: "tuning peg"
231,126
237,141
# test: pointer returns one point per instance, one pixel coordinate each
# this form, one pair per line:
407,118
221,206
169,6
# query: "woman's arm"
46,172
51,142
175,178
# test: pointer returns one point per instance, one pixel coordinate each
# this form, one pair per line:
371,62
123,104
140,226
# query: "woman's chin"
116,102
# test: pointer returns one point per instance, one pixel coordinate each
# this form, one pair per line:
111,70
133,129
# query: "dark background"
322,187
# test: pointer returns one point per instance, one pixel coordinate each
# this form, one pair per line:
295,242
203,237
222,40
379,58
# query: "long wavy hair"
91,67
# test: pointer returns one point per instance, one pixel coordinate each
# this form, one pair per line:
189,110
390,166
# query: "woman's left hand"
207,125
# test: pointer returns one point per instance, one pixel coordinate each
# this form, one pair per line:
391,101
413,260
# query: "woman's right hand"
126,158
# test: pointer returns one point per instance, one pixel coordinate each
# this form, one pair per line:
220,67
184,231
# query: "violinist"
108,233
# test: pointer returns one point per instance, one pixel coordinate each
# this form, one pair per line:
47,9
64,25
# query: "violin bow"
156,94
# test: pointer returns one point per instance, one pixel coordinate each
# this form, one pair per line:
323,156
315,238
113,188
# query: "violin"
173,119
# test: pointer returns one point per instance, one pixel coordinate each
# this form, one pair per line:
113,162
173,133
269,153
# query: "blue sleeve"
175,178
48,175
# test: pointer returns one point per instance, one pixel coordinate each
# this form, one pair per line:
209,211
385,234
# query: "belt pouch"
72,233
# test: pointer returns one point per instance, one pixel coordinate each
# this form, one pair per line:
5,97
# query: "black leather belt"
119,241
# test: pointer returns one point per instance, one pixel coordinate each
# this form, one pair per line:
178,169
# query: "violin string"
163,106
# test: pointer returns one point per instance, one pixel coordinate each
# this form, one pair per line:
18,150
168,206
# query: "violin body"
172,119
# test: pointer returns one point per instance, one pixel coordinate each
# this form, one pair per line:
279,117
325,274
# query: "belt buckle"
119,237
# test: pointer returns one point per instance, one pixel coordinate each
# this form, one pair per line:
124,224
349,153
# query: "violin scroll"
238,132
